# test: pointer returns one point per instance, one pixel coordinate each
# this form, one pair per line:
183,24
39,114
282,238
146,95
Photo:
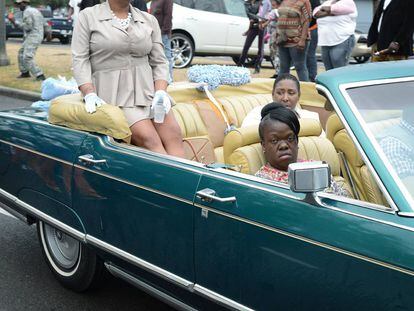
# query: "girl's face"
275,5
286,93
280,145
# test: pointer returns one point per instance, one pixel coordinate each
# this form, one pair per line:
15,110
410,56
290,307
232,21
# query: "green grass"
53,61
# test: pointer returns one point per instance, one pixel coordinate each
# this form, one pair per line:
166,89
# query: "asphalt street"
26,282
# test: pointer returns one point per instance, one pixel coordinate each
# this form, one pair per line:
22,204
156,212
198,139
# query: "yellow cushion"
69,111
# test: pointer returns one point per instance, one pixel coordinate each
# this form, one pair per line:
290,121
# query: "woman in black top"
255,29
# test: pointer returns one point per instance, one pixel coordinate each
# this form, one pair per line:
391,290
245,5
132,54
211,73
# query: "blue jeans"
166,40
296,57
311,62
338,55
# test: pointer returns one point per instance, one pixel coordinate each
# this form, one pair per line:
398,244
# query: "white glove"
161,96
92,101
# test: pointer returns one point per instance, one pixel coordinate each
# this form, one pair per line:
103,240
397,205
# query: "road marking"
2,211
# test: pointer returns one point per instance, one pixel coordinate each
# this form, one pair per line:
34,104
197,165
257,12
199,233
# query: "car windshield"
388,112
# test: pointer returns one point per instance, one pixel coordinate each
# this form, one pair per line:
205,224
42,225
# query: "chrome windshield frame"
393,206
344,91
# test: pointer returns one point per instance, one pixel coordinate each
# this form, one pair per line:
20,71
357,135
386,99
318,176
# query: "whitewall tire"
75,265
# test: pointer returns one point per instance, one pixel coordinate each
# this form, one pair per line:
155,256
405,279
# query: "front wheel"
182,49
75,266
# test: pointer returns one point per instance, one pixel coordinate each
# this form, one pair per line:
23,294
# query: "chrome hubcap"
64,249
182,52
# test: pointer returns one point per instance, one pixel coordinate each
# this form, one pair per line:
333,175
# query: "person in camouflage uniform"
32,25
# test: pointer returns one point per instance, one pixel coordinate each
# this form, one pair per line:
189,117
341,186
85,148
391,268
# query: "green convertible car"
204,232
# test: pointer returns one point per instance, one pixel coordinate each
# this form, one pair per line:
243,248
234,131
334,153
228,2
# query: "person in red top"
162,10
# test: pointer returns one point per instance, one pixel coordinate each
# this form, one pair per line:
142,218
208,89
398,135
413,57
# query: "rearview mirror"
309,177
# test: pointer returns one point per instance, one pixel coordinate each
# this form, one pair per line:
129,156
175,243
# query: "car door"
263,247
138,205
238,24
208,26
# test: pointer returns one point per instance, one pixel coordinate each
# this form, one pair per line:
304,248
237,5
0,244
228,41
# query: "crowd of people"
297,27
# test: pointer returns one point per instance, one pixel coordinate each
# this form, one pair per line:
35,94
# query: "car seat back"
356,172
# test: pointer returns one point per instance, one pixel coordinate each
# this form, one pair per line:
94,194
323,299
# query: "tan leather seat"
237,107
197,143
360,179
242,148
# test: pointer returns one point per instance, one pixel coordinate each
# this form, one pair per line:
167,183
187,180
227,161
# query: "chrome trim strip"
313,242
134,184
356,202
343,88
171,301
221,299
358,146
35,152
42,216
139,262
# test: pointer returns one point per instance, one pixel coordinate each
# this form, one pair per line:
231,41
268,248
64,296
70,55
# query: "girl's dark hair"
286,76
277,112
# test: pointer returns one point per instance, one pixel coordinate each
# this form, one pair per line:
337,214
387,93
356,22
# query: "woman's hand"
323,12
92,101
161,96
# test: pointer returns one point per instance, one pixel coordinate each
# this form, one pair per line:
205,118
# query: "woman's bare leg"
170,135
145,135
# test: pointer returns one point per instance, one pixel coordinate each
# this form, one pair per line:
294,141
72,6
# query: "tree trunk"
4,60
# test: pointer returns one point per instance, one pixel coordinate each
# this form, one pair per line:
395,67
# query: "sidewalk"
19,94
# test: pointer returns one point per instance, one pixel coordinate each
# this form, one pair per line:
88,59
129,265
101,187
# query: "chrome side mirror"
309,178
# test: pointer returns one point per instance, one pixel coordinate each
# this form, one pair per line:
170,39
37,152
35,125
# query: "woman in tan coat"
118,58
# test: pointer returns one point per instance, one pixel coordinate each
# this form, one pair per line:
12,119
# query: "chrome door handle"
209,195
235,24
89,159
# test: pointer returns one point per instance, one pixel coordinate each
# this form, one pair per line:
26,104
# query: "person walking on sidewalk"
271,24
256,10
293,36
311,62
391,31
32,25
162,10
336,27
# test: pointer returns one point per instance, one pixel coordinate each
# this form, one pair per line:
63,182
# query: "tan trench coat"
122,65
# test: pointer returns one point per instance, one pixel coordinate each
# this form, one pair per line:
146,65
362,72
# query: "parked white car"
208,28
